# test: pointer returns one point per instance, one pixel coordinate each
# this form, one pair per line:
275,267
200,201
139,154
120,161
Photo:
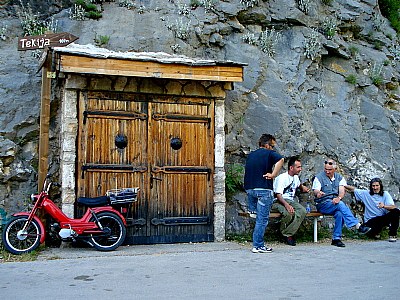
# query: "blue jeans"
251,201
342,214
265,198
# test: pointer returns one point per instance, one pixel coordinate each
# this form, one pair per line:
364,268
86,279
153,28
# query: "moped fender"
43,236
102,208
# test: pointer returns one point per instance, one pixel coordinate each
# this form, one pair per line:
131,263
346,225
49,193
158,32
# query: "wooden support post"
44,122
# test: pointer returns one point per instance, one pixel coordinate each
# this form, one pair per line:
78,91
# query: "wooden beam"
120,67
44,123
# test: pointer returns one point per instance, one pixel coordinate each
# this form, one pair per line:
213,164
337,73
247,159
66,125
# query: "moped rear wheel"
18,241
114,232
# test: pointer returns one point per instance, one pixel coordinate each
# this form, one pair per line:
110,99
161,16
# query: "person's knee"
342,206
300,214
395,212
302,210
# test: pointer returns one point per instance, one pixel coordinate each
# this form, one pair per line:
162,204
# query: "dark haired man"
328,187
262,166
293,213
380,210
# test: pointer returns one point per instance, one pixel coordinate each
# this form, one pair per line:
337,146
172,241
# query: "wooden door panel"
103,180
184,209
181,194
187,198
101,146
176,198
195,144
104,117
192,125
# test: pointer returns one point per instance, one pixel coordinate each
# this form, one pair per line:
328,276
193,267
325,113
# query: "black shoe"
290,240
338,243
363,229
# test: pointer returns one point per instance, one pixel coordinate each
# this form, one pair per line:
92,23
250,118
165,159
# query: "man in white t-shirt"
380,210
292,211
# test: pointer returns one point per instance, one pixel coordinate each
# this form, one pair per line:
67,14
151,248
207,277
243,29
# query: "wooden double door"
162,144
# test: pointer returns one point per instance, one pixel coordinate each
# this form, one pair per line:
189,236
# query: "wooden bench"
314,214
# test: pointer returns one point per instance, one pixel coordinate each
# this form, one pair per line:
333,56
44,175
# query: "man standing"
380,210
258,183
329,191
293,213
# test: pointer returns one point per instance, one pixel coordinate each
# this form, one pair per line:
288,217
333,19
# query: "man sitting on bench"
328,187
293,213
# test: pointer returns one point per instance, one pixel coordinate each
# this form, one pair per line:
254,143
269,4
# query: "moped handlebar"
48,183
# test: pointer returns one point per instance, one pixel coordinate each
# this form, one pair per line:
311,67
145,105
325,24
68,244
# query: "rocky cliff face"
323,78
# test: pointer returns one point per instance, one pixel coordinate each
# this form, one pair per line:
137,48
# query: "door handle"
152,178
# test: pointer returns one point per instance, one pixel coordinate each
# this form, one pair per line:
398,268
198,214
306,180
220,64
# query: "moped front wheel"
114,232
18,240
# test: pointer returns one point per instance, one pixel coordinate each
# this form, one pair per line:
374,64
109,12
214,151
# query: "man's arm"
350,188
388,207
316,187
277,168
389,200
342,192
288,207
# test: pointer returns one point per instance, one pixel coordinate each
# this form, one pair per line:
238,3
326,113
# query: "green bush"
80,2
31,23
102,40
375,74
352,79
95,15
391,10
377,80
353,50
234,179
378,45
329,27
90,9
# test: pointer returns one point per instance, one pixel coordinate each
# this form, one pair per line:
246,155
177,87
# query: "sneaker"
338,243
262,249
252,214
363,229
290,240
392,238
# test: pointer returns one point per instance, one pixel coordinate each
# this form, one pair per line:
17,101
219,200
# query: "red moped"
102,226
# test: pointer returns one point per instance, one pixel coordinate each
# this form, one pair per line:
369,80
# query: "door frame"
75,83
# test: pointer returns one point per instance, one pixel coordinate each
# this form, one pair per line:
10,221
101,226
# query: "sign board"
46,40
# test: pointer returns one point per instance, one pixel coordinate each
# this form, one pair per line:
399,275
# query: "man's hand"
319,194
268,176
289,208
304,189
278,165
336,200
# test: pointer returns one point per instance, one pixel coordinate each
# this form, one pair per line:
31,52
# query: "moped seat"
94,202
